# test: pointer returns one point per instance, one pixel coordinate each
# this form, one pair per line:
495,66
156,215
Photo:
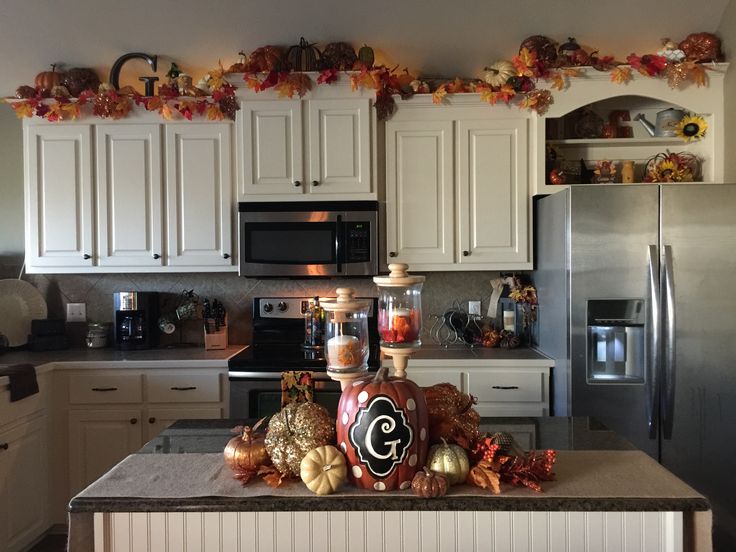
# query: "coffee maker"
135,319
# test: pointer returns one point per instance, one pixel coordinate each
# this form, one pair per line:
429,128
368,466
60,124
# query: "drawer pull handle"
151,420
103,389
133,421
4,446
190,388
505,387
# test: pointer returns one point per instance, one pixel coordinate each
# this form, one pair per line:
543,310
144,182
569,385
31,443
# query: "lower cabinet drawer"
96,389
506,386
182,388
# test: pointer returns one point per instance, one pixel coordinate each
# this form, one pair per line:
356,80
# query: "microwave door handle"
339,237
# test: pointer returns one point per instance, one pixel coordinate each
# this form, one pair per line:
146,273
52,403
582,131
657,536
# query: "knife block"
216,340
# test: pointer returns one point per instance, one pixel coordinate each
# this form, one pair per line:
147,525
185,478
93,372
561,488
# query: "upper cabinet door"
129,215
493,192
339,146
419,192
199,194
270,142
59,196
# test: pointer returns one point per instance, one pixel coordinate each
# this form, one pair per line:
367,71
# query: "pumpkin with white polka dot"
382,428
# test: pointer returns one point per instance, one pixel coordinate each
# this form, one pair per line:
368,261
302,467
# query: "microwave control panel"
358,242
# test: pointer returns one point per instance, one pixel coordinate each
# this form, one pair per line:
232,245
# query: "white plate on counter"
20,302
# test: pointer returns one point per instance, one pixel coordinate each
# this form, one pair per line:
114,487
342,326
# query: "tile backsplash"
236,293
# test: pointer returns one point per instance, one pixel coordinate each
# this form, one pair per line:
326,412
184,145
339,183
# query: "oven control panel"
287,307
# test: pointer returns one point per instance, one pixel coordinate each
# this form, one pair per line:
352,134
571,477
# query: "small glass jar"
346,332
399,308
97,335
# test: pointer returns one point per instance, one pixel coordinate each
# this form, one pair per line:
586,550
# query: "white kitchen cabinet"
58,168
427,377
98,439
199,199
129,186
457,189
23,484
305,149
419,193
158,418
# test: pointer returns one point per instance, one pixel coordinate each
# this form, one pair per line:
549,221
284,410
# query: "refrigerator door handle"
668,346
653,332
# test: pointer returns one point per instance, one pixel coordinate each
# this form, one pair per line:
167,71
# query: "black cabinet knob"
156,256
392,253
151,420
315,182
133,421
297,183
226,255
466,253
87,257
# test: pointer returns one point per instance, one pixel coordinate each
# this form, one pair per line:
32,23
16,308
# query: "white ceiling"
434,36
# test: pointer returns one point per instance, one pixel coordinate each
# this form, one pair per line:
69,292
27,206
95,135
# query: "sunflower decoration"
672,167
691,127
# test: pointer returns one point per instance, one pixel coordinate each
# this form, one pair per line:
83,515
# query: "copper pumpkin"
428,484
246,452
382,427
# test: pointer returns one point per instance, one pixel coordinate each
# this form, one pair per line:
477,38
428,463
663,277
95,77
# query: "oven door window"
290,242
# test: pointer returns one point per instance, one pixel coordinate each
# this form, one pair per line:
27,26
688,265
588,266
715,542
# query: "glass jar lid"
345,302
398,277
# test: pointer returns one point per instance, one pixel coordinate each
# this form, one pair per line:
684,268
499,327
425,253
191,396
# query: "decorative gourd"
303,56
246,452
451,415
702,47
46,80
79,79
428,484
382,428
324,470
265,58
366,56
499,72
450,461
294,431
25,92
338,55
544,48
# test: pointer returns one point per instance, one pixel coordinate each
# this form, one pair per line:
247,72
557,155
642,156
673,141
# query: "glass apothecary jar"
399,308
346,332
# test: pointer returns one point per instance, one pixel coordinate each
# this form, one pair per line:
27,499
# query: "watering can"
666,123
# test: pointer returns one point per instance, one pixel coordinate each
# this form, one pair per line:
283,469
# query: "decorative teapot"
667,120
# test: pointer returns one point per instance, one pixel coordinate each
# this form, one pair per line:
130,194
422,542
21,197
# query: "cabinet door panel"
24,494
339,146
199,194
99,439
493,191
270,142
129,215
419,192
158,419
59,196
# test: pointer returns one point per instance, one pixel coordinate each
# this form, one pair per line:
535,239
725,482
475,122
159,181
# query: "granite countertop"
431,353
596,471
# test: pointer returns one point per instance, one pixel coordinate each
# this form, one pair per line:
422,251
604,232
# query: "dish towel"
23,382
296,386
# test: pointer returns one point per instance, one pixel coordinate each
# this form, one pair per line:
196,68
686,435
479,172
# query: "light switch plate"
76,312
474,307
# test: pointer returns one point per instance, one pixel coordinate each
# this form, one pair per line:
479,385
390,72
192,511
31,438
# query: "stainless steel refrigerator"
638,309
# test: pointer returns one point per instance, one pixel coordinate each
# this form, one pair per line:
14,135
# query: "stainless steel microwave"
325,238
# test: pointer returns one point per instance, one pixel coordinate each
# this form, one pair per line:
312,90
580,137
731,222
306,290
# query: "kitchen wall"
727,31
11,184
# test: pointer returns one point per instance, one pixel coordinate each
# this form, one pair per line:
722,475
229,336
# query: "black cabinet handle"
103,389
297,183
392,253
466,253
315,182
87,257
190,388
505,387
226,255
133,421
156,256
4,446
151,420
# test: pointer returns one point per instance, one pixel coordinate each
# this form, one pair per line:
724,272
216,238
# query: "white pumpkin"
498,73
323,470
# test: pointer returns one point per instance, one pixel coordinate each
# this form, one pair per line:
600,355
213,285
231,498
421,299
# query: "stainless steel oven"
326,238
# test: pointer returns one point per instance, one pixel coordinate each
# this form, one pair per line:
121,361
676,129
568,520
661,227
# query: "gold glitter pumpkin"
450,461
294,431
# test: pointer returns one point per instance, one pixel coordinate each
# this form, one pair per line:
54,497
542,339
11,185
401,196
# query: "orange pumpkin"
46,80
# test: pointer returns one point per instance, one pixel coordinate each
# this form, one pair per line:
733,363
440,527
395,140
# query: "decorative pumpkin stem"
326,467
381,375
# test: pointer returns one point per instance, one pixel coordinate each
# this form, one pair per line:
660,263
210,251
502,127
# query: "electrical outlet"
76,312
474,307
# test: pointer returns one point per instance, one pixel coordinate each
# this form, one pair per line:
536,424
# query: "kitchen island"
176,494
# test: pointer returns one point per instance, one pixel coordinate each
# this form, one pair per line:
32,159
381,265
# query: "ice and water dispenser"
616,340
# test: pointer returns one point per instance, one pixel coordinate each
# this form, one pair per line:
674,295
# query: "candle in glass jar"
344,351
